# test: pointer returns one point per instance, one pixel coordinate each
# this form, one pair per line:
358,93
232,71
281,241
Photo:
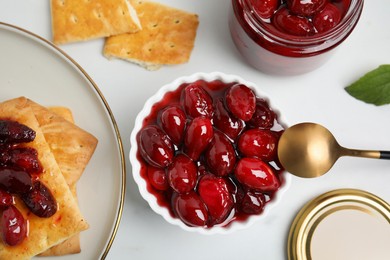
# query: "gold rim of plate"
310,216
116,129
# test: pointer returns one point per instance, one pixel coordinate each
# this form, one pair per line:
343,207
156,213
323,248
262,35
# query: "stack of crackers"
64,151
143,32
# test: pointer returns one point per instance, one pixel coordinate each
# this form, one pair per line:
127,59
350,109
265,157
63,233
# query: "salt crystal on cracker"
81,20
167,37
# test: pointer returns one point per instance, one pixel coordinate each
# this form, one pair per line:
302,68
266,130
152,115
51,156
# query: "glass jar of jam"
270,48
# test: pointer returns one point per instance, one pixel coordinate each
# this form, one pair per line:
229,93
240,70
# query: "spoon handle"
384,155
366,153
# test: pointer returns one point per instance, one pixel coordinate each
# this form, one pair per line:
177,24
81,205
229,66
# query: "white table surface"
318,96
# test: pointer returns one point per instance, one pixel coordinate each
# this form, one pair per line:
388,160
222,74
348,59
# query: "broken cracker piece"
167,37
80,20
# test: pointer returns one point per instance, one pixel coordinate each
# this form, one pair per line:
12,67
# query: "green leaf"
373,87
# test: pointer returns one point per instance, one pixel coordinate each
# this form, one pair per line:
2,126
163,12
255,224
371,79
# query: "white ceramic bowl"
141,182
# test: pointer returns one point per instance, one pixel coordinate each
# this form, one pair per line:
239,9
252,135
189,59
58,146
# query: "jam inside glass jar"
271,50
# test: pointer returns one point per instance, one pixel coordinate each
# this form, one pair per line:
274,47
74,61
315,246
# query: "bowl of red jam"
204,153
291,37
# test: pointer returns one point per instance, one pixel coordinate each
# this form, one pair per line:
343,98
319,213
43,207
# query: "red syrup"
216,193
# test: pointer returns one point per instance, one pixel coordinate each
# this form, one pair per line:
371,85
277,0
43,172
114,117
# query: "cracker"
63,112
72,244
72,146
80,20
68,220
167,37
69,246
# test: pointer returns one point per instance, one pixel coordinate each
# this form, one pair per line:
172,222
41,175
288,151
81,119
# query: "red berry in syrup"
256,174
25,158
220,155
14,132
198,135
215,194
292,24
190,209
15,180
173,122
6,199
13,226
202,169
258,143
342,5
241,101
263,117
306,7
182,174
327,18
225,122
4,156
158,178
265,8
196,101
214,85
40,201
155,146
235,189
252,202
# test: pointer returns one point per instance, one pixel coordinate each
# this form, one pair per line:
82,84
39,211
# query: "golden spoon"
309,150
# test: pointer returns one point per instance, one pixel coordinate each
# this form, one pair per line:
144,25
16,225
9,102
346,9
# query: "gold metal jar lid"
339,223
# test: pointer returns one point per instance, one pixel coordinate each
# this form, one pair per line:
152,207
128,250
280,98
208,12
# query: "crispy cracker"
167,37
72,244
63,112
80,20
71,146
68,220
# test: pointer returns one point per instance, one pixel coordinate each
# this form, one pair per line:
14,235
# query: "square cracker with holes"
68,220
81,20
167,37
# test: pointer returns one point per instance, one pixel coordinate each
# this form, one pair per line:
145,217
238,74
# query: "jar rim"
344,27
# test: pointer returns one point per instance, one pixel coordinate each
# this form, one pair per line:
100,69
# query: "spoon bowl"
310,150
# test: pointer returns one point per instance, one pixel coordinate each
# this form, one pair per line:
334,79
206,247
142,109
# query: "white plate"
32,67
